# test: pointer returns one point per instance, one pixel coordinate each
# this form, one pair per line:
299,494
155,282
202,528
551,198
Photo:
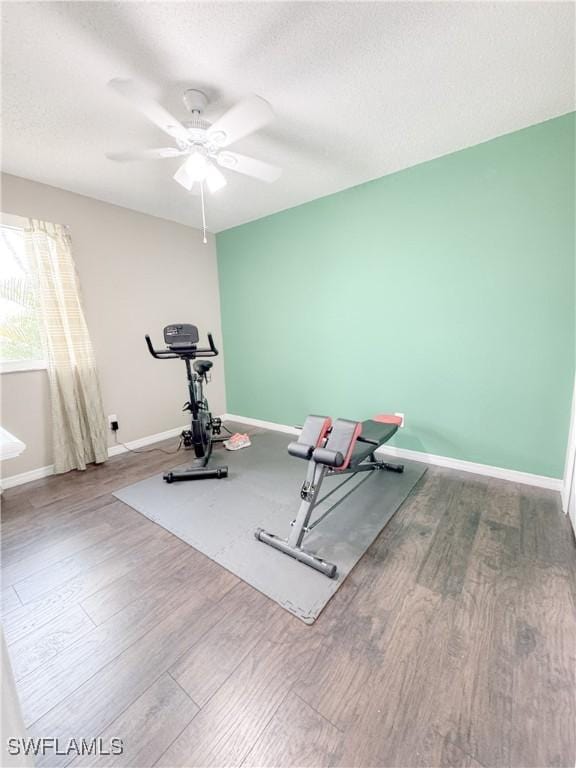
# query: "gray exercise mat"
219,517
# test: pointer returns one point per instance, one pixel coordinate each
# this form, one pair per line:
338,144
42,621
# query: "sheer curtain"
79,427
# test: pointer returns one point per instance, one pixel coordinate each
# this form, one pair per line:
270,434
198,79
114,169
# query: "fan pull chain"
203,213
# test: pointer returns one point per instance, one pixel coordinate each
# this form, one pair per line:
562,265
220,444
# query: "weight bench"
342,448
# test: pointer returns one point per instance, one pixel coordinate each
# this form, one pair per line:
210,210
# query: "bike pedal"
216,425
187,438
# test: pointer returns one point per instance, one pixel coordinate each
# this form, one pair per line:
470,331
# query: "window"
20,331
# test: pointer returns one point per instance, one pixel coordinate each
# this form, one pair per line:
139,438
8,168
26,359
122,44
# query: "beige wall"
137,274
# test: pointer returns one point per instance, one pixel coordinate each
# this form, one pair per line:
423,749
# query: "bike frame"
201,432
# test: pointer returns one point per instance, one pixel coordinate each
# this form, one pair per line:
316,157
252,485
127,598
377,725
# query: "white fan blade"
249,166
146,154
245,117
149,108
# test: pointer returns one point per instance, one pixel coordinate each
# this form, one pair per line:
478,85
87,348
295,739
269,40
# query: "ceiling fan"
204,144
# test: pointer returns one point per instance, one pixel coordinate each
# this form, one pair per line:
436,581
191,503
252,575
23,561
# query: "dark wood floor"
450,644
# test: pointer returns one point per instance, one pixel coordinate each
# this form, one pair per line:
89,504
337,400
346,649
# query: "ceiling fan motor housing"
195,101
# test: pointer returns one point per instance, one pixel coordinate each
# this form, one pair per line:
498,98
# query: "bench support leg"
309,495
293,544
328,569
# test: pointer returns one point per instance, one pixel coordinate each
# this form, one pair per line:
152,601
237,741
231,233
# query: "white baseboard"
26,477
113,450
513,475
259,423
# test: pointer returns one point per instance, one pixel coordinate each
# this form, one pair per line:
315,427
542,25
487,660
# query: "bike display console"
181,335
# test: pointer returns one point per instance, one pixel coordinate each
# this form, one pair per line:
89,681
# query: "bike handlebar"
191,351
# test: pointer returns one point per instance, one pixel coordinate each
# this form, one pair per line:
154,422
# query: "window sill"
18,366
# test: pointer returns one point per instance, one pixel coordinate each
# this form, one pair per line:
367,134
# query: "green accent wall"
444,291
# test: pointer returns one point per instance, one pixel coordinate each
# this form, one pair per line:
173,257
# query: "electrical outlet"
402,417
113,422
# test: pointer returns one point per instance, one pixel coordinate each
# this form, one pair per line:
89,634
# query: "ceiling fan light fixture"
183,177
215,179
193,169
196,166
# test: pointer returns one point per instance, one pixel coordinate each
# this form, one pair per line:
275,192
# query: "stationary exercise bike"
181,341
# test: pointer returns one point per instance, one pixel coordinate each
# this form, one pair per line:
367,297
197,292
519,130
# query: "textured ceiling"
360,90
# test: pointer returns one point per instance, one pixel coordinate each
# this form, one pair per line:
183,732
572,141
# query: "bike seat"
202,366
